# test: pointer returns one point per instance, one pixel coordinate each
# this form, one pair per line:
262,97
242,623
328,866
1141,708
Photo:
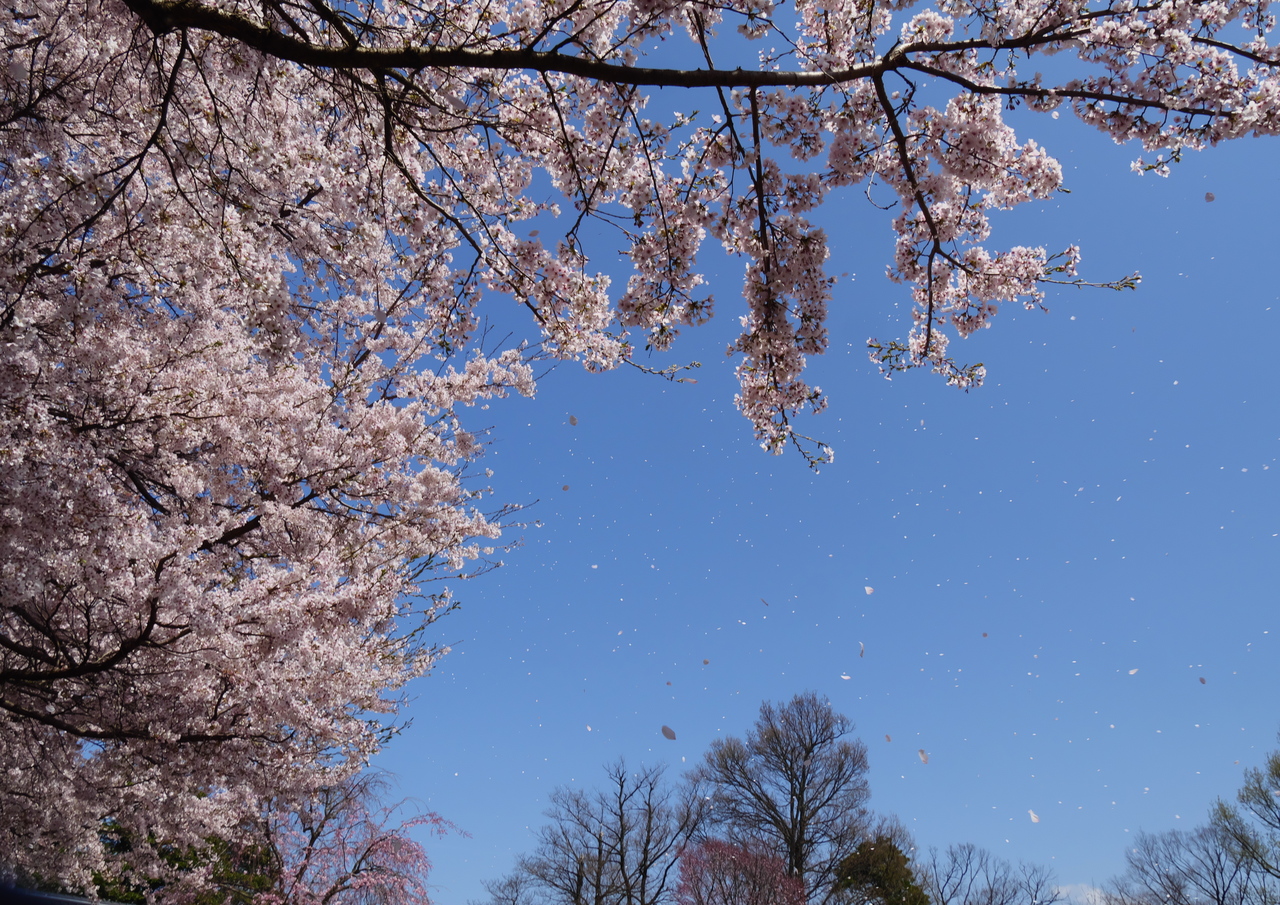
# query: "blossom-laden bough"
244,248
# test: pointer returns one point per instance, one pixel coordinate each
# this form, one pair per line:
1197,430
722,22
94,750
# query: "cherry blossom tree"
715,872
430,124
231,463
243,252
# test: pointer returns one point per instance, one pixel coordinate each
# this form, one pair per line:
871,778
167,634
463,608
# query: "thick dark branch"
1025,91
908,171
231,535
167,15
123,651
140,484
1239,51
113,735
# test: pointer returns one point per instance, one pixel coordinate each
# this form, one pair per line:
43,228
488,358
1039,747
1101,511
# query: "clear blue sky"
1106,503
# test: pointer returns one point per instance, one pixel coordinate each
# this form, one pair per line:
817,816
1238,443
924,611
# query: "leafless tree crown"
796,784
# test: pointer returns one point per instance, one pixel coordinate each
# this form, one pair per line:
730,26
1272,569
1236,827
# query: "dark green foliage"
879,872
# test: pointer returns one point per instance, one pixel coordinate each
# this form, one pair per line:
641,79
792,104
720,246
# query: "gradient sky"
1074,567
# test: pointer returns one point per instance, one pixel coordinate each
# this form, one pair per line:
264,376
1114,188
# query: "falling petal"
924,758
1208,196
1202,680
705,662
565,487
862,649
668,683
588,727
886,737
1035,818
984,634
869,589
668,733
843,676
1133,672
573,420
765,602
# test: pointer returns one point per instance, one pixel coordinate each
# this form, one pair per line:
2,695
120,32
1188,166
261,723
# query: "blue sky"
1057,558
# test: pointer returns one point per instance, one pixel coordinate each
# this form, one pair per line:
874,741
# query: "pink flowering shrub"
715,872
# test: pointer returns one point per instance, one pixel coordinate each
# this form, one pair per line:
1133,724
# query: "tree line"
1232,859
778,817
781,817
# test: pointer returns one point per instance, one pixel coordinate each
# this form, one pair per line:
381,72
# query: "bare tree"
1200,867
1251,828
515,888
968,875
796,785
616,846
